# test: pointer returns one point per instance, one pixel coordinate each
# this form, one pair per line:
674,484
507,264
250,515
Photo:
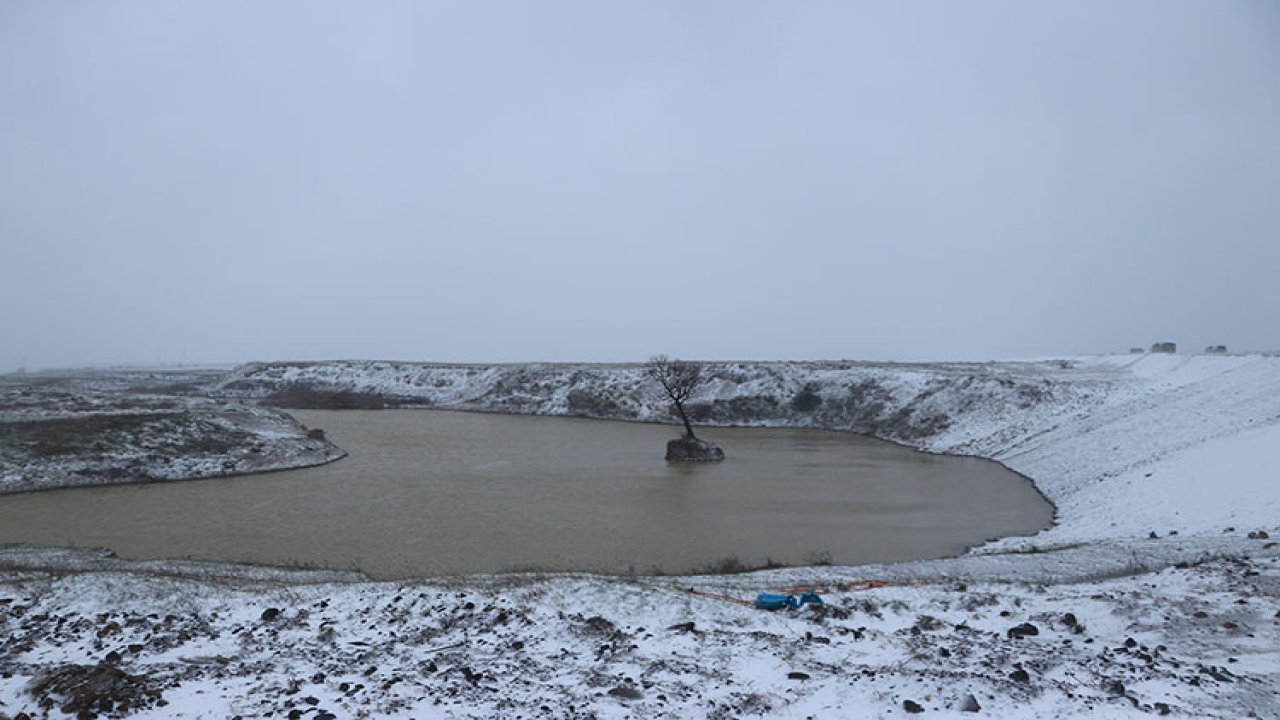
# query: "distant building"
1216,349
1164,347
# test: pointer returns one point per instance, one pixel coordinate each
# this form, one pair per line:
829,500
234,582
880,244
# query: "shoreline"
845,540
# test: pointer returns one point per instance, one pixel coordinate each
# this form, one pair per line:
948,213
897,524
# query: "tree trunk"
688,426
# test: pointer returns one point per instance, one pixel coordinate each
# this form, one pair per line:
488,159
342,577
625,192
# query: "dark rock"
1259,535
682,627
585,402
626,692
693,450
1020,675
270,614
928,622
797,676
94,689
598,625
806,400
1070,620
912,706
1162,708
1021,631
1115,687
1217,673
970,704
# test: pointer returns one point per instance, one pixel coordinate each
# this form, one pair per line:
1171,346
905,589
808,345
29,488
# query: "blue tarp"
774,601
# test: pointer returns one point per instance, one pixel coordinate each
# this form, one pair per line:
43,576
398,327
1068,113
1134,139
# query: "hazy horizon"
575,181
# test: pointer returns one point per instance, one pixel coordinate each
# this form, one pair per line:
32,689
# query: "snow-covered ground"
71,435
1157,592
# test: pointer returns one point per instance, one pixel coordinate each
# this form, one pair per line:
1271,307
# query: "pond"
427,493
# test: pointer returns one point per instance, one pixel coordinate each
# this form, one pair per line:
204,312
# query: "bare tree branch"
679,380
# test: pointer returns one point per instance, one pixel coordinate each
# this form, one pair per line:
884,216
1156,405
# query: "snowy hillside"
1157,593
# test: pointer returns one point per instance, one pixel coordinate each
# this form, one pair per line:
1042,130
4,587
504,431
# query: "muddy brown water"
432,493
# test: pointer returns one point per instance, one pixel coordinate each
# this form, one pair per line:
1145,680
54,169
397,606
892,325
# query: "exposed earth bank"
72,432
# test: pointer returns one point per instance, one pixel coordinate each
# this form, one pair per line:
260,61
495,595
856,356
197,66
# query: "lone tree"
679,379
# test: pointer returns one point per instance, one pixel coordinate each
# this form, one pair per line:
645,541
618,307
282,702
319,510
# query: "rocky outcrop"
65,437
690,449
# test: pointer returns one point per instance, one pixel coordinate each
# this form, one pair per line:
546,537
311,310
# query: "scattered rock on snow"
912,706
626,692
1021,631
970,704
80,689
597,625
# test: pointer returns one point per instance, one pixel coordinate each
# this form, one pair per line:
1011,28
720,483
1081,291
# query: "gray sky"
230,181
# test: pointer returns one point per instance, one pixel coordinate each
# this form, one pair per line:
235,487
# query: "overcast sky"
492,181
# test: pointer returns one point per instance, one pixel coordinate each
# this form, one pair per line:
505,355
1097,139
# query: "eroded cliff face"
947,407
119,427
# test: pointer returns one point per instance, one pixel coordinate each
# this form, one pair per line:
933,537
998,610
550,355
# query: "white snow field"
1157,592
